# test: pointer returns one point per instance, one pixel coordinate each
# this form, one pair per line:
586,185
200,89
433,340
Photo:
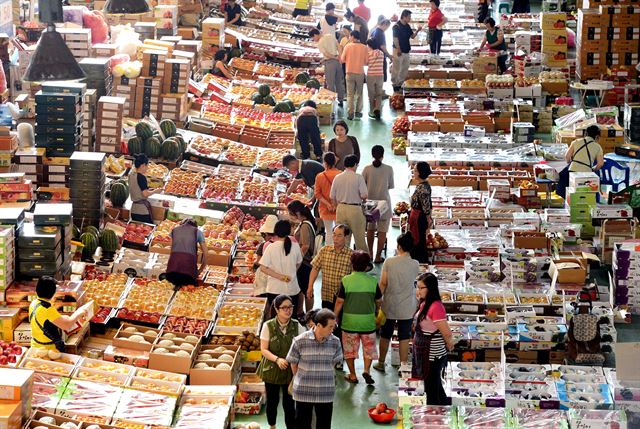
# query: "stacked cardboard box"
153,63
78,40
212,35
89,106
17,388
7,257
554,38
39,250
193,46
15,190
30,161
87,181
632,121
58,122
174,107
581,197
8,146
146,30
126,88
56,172
58,215
105,50
109,124
607,37
176,76
626,269
166,17
98,71
528,41
483,65
522,132
147,100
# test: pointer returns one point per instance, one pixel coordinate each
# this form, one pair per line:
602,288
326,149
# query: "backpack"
584,335
317,241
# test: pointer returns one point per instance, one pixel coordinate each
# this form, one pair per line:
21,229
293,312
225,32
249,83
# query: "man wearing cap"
266,230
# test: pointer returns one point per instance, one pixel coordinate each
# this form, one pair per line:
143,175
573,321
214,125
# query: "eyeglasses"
286,308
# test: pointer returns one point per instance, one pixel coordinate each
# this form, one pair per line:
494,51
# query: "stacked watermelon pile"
151,142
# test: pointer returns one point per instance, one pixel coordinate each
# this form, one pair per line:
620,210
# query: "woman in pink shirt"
431,340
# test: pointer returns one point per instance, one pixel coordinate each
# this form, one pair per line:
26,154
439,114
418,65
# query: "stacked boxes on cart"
608,36
626,269
87,187
581,198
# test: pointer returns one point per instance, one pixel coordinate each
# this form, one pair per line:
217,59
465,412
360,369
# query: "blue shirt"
403,33
314,381
378,37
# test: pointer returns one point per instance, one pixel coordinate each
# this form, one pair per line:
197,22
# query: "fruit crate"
254,136
226,131
102,321
138,228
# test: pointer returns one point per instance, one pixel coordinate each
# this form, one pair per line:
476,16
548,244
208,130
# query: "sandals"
367,378
353,380
379,261
379,367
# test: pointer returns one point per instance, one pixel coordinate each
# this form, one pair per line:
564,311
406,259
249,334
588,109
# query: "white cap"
269,224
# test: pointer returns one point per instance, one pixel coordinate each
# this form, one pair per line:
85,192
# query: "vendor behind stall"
494,39
182,268
585,155
140,191
46,323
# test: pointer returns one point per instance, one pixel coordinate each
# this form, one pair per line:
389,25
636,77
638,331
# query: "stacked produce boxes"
87,181
7,257
554,38
98,71
632,122
59,120
39,250
58,215
581,197
89,109
109,124
626,269
8,146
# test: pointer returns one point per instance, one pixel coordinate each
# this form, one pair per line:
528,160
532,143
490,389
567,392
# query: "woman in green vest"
359,299
494,40
275,341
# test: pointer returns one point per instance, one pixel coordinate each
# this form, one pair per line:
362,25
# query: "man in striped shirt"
375,78
312,356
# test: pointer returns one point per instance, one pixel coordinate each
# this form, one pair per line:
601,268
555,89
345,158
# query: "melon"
168,128
135,145
92,230
282,107
170,150
181,142
90,243
204,356
191,338
166,343
119,194
152,147
270,100
302,78
313,83
130,329
169,336
109,241
257,98
264,90
144,130
291,105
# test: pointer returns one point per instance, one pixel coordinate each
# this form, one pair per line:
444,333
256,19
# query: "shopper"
302,170
583,156
182,268
402,35
343,144
359,300
333,72
322,193
327,24
139,190
362,11
302,8
305,235
233,13
420,215
348,192
280,262
276,338
375,79
308,130
359,25
345,36
354,57
379,180
266,230
334,261
431,340
46,323
435,23
494,40
312,357
220,68
378,35
399,301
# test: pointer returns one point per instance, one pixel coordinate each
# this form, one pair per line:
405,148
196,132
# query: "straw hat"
269,224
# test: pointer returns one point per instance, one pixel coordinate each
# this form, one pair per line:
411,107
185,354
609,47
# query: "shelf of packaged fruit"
256,195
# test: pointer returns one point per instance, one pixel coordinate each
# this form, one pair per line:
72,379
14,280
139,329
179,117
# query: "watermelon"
302,78
282,107
108,241
170,149
181,142
168,128
135,145
264,90
152,147
90,243
119,194
270,100
257,98
292,106
313,83
91,230
144,130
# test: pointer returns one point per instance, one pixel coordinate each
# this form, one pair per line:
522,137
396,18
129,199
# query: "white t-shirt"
328,46
275,259
265,335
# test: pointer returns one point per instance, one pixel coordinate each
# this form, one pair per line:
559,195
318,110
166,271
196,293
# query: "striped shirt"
374,62
314,381
435,313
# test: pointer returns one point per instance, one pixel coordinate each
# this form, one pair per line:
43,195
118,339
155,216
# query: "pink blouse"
435,313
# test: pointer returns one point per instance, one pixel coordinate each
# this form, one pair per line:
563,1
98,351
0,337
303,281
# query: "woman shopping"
322,193
140,190
343,144
420,215
305,235
431,340
435,23
280,263
276,337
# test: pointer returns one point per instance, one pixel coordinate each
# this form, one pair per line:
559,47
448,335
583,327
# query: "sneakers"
377,114
372,115
339,367
379,366
340,104
350,116
358,115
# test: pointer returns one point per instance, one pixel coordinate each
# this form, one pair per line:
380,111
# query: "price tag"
539,310
469,308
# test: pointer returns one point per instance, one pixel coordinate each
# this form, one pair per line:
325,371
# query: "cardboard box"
10,415
568,270
530,240
229,376
553,20
16,386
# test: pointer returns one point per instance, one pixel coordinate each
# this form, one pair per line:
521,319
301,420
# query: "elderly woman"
420,216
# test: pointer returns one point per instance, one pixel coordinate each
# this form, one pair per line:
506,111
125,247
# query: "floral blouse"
421,198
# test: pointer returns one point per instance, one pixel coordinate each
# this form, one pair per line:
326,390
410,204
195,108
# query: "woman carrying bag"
275,341
581,156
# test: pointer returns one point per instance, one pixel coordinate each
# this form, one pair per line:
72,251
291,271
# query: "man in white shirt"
333,74
348,192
